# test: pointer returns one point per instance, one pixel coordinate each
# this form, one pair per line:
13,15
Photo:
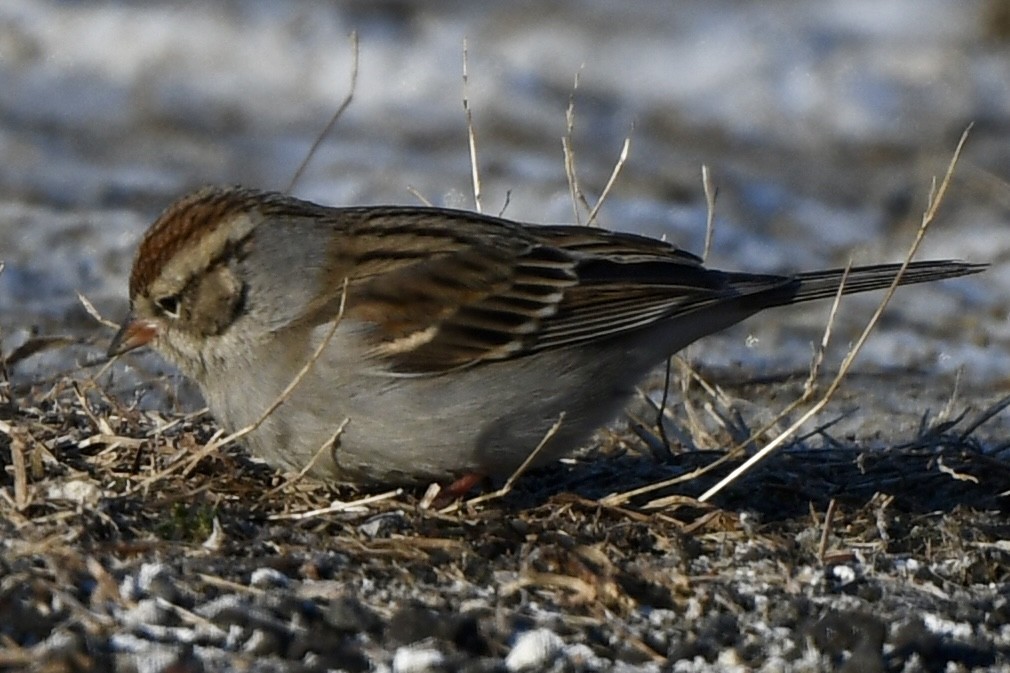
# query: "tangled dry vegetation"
120,550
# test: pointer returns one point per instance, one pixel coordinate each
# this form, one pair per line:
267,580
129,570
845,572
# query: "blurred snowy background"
822,124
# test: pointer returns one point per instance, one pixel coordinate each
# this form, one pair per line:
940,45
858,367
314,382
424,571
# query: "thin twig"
661,410
569,152
505,205
419,196
333,120
711,192
815,364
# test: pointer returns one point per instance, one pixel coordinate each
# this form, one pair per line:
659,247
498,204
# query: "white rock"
534,649
415,659
76,490
266,578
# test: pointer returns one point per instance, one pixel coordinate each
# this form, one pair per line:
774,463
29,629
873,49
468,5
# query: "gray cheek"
283,270
272,304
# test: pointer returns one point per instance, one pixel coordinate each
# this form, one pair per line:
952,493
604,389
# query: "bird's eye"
169,305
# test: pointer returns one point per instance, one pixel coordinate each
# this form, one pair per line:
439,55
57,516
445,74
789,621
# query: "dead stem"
471,135
579,200
618,165
935,199
829,520
568,149
336,507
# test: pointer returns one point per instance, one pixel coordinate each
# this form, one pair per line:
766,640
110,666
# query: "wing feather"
484,289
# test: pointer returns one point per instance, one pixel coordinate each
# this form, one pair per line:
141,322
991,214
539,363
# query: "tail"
824,284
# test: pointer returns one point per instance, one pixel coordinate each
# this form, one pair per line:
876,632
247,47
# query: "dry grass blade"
951,472
17,449
809,387
815,364
93,312
333,120
471,135
179,420
618,165
935,199
505,204
573,188
699,436
337,507
661,407
711,192
618,499
295,382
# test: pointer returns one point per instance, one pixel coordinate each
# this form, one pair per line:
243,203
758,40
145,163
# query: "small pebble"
268,578
583,657
350,616
150,573
76,490
146,611
534,650
382,525
262,643
411,659
843,573
226,604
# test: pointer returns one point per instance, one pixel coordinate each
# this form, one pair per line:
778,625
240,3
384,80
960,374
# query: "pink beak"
134,333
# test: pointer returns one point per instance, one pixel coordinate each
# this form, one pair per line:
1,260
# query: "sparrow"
444,343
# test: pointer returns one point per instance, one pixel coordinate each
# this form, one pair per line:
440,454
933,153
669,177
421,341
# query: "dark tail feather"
824,284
